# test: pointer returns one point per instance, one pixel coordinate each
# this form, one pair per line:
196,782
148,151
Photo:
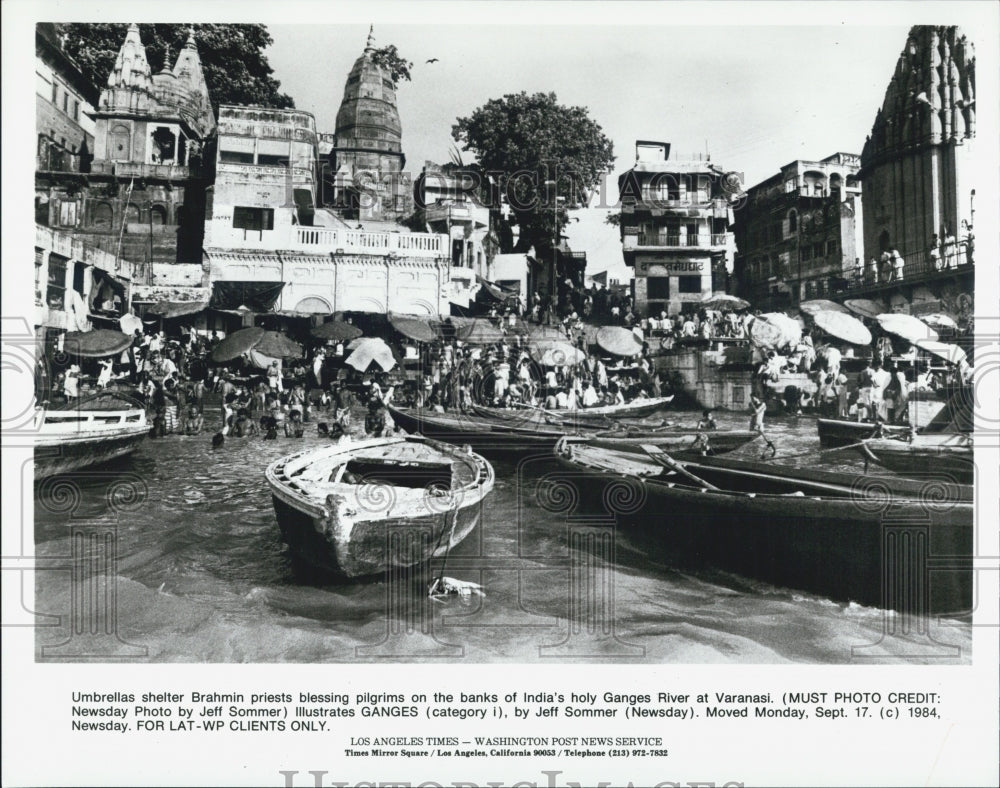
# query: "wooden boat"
520,431
359,508
91,431
941,455
636,408
843,432
882,541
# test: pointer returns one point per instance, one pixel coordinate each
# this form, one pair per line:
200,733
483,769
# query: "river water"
181,545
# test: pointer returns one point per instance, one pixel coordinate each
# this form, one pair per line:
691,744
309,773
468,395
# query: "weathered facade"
268,246
798,233
675,215
919,174
143,198
367,176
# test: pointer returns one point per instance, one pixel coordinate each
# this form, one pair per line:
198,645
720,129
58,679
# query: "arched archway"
883,241
158,215
103,216
315,305
793,221
119,143
132,215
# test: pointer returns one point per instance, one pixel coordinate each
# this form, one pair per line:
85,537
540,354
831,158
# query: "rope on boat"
444,562
823,451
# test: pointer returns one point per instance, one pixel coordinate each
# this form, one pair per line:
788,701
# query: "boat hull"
364,529
948,463
499,437
841,432
69,440
890,552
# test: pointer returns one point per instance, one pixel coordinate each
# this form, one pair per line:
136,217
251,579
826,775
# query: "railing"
438,213
265,130
126,169
332,238
916,266
702,240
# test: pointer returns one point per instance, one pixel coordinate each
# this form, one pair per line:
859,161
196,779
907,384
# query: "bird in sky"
433,60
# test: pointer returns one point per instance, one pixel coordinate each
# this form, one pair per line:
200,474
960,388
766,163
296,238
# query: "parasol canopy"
953,354
864,307
939,320
130,324
336,331
237,343
366,350
557,354
100,343
543,333
413,327
618,341
476,330
843,326
724,302
277,345
822,305
905,326
774,330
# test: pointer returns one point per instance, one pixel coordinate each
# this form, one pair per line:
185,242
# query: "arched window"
835,181
158,215
793,221
119,143
103,216
132,213
883,241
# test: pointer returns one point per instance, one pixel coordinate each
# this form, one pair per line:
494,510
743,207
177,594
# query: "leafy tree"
388,58
232,57
524,140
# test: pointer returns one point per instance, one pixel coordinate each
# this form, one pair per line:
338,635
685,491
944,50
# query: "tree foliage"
525,140
388,58
232,57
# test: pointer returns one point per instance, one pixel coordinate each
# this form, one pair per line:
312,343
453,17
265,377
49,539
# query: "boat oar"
664,459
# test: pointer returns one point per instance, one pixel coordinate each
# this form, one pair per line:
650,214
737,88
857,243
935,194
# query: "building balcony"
454,213
918,267
128,169
332,240
648,241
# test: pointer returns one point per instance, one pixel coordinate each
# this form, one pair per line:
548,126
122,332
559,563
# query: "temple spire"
370,45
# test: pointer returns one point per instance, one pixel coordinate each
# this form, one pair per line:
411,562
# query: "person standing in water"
758,408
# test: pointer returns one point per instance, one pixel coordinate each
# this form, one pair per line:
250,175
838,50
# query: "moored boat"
517,431
635,408
843,432
91,431
359,508
945,456
877,540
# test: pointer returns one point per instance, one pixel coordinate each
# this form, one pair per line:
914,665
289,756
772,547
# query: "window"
55,294
55,91
157,215
833,246
102,218
818,250
688,284
234,157
39,260
271,161
658,287
806,253
793,221
67,213
253,218
76,110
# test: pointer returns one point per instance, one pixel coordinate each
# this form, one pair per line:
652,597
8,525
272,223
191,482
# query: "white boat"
357,509
88,432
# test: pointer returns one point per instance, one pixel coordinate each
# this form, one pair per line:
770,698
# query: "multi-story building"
675,215
367,165
143,197
77,286
918,174
270,246
64,102
798,233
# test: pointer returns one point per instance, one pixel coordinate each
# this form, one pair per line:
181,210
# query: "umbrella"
864,307
938,320
476,330
336,331
99,343
556,354
413,327
950,353
237,343
277,345
822,305
843,326
365,350
774,330
905,326
130,323
543,333
618,341
725,302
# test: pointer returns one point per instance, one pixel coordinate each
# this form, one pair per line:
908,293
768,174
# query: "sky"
754,98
